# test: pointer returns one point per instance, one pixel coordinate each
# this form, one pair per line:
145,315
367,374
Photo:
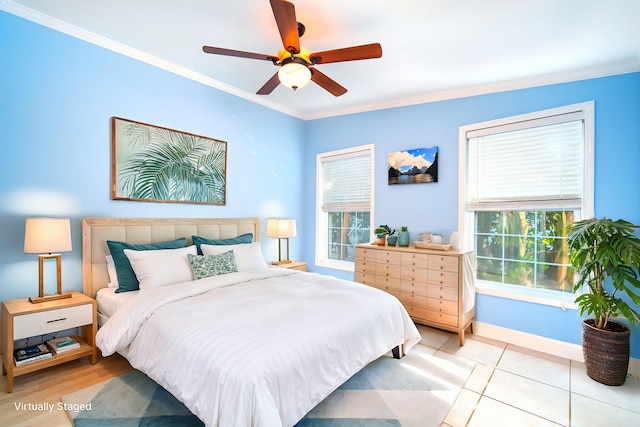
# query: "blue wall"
58,94
434,207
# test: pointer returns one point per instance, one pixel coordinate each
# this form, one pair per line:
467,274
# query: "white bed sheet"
256,349
109,302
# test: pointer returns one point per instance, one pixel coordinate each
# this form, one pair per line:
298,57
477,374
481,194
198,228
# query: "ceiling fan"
296,63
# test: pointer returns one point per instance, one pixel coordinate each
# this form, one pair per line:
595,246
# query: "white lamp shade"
47,235
281,228
294,75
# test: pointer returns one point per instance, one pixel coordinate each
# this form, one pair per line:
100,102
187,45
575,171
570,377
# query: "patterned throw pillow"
212,265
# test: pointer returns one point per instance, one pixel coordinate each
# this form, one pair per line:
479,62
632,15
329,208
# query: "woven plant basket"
606,351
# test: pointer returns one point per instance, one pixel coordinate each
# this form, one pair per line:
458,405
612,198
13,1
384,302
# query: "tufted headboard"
96,232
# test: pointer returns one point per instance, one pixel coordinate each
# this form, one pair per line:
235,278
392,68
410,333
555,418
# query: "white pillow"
161,267
248,256
111,270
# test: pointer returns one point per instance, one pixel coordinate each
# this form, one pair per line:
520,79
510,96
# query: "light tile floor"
513,387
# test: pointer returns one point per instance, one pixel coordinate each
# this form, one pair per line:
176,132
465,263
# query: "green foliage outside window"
347,229
524,248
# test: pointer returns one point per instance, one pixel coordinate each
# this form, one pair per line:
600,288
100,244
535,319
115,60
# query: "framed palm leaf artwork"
156,164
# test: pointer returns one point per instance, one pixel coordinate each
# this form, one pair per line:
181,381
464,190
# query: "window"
344,193
526,179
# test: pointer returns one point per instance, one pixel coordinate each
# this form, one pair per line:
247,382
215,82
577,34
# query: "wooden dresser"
429,283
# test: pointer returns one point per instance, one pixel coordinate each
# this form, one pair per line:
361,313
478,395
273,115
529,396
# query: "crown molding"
605,70
98,40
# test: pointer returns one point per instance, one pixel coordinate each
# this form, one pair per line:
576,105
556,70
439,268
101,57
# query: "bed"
253,347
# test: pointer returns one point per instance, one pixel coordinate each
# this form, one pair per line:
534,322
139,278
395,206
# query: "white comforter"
256,348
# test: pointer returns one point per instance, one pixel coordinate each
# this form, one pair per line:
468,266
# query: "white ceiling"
432,49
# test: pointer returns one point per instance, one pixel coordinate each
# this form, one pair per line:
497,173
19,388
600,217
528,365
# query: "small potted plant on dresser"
382,233
606,256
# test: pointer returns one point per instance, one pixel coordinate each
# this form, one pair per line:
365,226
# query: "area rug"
416,391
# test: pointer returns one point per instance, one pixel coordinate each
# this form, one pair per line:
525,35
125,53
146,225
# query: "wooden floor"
48,385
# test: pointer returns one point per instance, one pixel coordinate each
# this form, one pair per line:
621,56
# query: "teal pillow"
127,280
244,238
212,265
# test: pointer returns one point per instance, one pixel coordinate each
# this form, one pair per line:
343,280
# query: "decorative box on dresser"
22,319
429,283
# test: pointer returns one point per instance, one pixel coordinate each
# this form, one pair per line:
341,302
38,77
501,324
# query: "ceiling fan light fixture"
294,75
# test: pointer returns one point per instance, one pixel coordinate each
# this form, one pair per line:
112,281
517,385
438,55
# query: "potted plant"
381,233
606,256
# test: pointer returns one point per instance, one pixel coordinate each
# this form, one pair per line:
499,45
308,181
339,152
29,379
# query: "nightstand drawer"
45,322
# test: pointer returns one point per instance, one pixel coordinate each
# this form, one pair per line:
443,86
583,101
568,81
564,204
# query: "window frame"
466,218
322,225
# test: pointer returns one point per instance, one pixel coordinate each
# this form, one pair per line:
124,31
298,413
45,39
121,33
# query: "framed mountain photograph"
414,166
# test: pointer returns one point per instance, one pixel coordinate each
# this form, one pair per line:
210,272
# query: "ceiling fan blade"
269,86
238,53
327,83
285,14
354,53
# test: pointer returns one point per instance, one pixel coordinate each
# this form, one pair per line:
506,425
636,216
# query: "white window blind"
535,164
346,183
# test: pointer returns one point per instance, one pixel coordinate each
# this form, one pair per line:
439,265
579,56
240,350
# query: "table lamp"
44,236
281,228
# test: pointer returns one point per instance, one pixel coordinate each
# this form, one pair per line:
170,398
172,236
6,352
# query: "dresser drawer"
366,267
442,292
416,288
442,306
411,300
415,274
415,260
445,263
45,322
388,257
366,254
433,316
388,270
444,278
388,284
366,278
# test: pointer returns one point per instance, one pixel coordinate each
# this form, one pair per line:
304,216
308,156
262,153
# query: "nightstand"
22,319
293,265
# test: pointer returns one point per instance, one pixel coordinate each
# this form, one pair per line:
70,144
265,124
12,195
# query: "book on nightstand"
31,354
63,344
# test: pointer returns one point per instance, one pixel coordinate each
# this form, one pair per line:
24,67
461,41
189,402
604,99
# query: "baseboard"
530,341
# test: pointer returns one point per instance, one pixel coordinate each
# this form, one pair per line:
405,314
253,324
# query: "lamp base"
286,261
45,298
